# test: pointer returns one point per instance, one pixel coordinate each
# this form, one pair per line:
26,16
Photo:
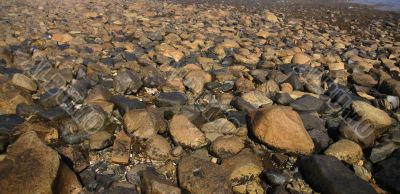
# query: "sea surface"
388,5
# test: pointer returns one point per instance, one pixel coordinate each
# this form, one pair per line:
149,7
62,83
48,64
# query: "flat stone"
140,123
23,81
185,133
121,149
382,151
170,99
125,104
226,146
29,166
221,125
327,174
345,150
200,176
256,99
282,129
307,103
100,140
158,148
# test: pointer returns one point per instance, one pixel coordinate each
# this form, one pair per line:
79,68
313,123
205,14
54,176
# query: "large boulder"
281,128
29,166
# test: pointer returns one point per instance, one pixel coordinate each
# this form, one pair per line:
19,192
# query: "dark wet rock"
200,176
327,174
171,99
387,173
125,104
275,178
237,117
307,103
320,138
312,121
382,151
27,110
53,114
242,105
8,122
127,81
294,80
283,99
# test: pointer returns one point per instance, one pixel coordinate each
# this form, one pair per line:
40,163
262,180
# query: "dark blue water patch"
387,5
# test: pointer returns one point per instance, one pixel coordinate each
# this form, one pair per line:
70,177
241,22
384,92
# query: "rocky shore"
198,97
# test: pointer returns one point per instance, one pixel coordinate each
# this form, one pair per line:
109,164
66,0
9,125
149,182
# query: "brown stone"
140,123
29,166
243,168
282,129
185,133
199,176
226,146
345,150
121,149
62,37
67,182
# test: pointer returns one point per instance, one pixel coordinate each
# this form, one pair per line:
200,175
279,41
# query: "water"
389,5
